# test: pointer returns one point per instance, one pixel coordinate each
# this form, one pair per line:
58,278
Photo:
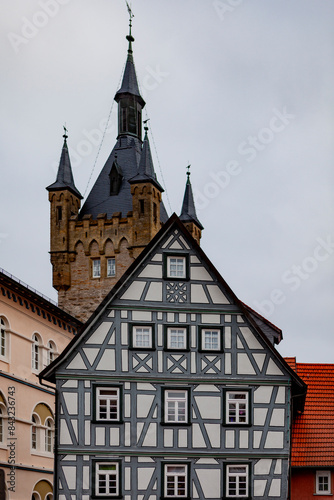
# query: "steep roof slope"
313,430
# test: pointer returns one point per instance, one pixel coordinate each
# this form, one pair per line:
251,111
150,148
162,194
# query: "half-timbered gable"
173,389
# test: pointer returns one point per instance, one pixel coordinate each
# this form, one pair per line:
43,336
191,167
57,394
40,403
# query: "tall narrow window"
96,268
35,353
1,426
34,433
59,211
49,435
3,339
51,352
237,481
176,481
111,267
141,207
107,479
155,212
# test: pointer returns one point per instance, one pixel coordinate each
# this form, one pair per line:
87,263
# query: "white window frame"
241,414
173,343
99,473
176,404
205,331
35,432
145,332
108,398
36,353
237,476
3,339
323,474
49,435
52,350
176,269
96,268
111,267
3,424
174,479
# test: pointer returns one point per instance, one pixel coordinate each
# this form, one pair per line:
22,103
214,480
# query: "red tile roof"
313,430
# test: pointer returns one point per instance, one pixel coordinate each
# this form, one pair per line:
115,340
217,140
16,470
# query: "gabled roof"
313,430
64,176
188,211
173,224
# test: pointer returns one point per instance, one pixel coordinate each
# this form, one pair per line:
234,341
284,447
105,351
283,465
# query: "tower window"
59,213
111,267
141,206
96,268
155,212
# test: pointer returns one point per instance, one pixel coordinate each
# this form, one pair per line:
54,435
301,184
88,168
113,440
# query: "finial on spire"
146,126
65,132
188,174
129,36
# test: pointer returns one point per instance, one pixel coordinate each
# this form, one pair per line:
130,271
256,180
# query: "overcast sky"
242,90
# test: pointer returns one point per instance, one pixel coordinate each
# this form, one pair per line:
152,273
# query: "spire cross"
146,126
130,37
188,172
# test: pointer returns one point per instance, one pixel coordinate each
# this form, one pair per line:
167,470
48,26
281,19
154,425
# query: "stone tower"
91,248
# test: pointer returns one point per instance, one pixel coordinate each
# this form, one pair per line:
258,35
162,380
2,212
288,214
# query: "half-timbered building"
174,388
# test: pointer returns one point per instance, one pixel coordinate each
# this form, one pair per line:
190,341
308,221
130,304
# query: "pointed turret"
188,212
65,202
64,175
146,171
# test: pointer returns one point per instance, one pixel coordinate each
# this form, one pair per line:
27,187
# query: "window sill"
45,454
178,424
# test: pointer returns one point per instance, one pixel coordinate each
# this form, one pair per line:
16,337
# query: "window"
111,267
176,406
3,339
96,269
34,432
237,407
106,479
236,481
210,339
2,423
107,403
142,337
177,338
323,482
176,481
49,435
51,351
35,354
176,267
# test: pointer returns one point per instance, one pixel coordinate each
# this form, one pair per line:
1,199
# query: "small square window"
323,482
176,267
96,268
237,408
111,267
176,338
236,481
142,337
210,339
107,404
176,482
106,479
176,406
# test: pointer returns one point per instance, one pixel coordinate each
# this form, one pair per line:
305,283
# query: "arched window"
35,354
1,426
52,349
3,339
3,420
34,432
49,431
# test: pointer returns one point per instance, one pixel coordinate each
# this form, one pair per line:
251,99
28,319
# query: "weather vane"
65,131
188,168
129,10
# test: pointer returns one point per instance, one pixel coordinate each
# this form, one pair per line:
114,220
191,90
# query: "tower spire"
188,212
65,178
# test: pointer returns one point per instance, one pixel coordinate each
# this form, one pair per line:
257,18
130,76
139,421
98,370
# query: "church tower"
91,248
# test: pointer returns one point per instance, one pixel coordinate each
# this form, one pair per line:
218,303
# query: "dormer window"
130,116
116,178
